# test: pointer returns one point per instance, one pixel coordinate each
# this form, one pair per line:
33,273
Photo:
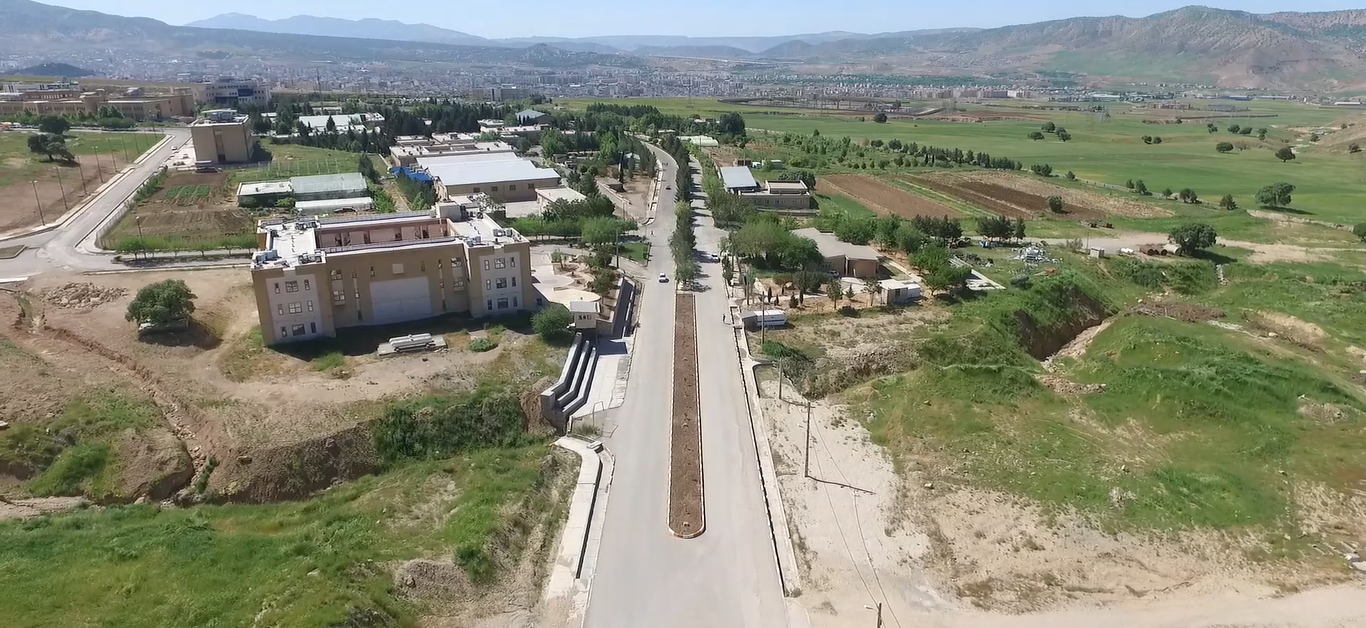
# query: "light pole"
62,188
879,612
39,202
84,190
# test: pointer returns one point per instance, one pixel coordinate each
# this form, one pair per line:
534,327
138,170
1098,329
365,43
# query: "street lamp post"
84,190
62,188
39,202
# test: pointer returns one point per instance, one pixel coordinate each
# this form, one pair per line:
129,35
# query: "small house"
585,315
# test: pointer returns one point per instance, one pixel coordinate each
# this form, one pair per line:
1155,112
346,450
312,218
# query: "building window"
296,308
512,187
280,309
336,275
493,188
339,296
514,302
291,286
490,303
372,271
398,235
424,233
512,262
310,305
422,266
476,190
398,269
365,237
359,317
488,285
306,285
531,186
501,283
298,330
500,262
283,331
486,267
277,287
514,282
443,305
457,285
456,263
502,304
313,327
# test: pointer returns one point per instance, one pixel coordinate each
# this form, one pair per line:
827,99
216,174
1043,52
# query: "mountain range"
1325,51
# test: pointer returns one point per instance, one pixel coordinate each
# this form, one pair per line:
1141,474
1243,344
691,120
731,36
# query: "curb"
575,534
167,268
701,463
785,555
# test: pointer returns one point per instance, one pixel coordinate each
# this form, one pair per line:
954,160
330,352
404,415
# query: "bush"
552,323
1021,281
480,345
441,426
162,302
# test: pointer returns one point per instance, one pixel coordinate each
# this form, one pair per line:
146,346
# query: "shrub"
552,323
480,345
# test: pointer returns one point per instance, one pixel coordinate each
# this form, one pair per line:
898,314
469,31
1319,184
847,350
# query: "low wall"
570,391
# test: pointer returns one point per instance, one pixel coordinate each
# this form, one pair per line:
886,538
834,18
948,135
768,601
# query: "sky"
560,18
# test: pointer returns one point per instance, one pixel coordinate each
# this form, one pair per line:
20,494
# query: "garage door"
399,300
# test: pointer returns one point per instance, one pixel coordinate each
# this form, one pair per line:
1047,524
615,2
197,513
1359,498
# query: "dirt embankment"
1042,341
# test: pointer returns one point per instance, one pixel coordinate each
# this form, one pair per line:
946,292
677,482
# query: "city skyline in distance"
706,18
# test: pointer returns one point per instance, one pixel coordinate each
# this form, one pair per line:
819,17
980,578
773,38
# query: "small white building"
896,291
585,314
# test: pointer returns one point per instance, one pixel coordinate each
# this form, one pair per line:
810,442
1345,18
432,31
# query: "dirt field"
260,412
190,208
882,198
1030,193
686,515
957,190
20,208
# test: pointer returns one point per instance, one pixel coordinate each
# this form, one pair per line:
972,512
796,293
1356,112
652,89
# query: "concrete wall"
506,191
223,143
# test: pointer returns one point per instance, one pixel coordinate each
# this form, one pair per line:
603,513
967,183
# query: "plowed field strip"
884,199
963,207
687,518
1024,200
970,196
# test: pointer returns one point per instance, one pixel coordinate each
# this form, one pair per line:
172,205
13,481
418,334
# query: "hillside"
336,27
53,69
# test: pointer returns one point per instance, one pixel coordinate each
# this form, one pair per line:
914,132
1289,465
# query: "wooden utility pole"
806,470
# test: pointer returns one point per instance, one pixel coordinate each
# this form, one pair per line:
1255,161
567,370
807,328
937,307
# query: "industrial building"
348,187
504,180
387,268
222,136
530,117
737,179
849,260
410,148
781,196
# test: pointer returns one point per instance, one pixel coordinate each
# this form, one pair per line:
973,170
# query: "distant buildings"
222,136
776,195
69,100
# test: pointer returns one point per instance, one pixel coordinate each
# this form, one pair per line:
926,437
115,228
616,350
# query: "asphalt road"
59,248
645,576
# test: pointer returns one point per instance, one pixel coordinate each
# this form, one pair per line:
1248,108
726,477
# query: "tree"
1071,176
1233,128
1275,195
731,124
995,227
1354,148
1141,188
873,287
947,279
1166,192
1224,147
552,323
1019,230
1228,203
1157,139
1188,195
161,303
1285,154
1043,170
1360,231
50,145
1055,204
1211,127
1064,135
833,292
1147,139
1049,127
1193,237
55,125
880,118
1313,137
1036,136
1261,134
1247,130
1129,184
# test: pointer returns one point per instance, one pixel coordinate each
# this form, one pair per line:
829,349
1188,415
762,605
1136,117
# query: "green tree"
1285,154
1261,134
731,124
161,302
1166,192
1129,184
1055,204
1036,136
909,239
552,323
880,118
1313,137
930,258
1019,230
833,292
1224,147
1275,195
1211,127
1188,195
1354,148
947,279
1193,237
1157,139
995,227
1228,203
1071,176
1049,127
55,125
1147,139
1359,230
873,287
1141,188
1233,128
1064,135
1247,130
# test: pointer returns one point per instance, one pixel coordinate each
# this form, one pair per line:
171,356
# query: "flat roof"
264,187
485,229
490,172
736,177
558,194
341,120
583,307
349,181
831,246
375,220
787,187
464,157
334,203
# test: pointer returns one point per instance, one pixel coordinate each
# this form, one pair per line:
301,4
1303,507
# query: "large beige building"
314,277
227,92
65,101
223,136
506,180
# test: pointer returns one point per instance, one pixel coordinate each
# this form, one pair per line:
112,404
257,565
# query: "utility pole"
82,170
879,615
806,469
780,381
62,188
39,201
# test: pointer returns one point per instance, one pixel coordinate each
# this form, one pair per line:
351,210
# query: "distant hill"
368,28
64,70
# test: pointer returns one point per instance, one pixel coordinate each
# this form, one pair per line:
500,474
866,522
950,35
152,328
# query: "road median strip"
687,518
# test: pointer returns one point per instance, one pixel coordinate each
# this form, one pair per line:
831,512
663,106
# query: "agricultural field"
191,211
883,199
292,160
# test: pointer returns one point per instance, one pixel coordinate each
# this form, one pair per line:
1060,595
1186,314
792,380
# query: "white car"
663,278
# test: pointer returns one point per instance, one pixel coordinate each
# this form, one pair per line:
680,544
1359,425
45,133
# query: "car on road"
713,257
663,278
669,187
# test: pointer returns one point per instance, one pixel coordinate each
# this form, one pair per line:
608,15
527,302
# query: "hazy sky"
654,17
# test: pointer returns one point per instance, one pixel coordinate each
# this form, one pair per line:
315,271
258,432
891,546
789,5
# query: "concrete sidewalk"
572,572
608,388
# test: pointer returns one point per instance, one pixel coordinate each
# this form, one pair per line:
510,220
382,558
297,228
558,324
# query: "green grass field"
292,160
18,164
302,564
1109,150
842,203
